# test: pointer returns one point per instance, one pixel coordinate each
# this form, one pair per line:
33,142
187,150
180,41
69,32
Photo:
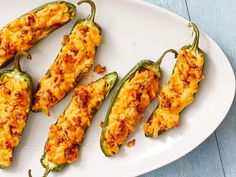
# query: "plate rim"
154,166
194,144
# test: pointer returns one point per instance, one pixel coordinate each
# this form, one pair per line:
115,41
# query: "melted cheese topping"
74,60
179,93
24,32
14,109
127,111
67,134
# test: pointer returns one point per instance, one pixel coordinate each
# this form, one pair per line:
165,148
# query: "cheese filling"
68,133
25,31
127,111
74,60
14,109
179,93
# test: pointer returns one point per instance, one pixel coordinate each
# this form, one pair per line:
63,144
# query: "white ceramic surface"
132,30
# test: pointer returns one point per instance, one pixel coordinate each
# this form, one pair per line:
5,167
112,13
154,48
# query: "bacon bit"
99,69
53,98
101,124
75,51
131,143
36,99
47,147
19,95
77,121
8,145
7,91
82,97
71,154
84,30
12,130
56,25
122,129
69,59
60,139
65,38
31,20
88,54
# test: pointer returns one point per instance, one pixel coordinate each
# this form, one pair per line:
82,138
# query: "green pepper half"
180,90
130,116
27,30
72,63
16,90
79,103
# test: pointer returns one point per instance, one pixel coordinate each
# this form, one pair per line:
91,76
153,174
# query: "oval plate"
132,30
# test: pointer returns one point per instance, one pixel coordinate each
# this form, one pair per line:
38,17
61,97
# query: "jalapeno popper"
15,103
73,61
67,134
134,93
27,30
180,90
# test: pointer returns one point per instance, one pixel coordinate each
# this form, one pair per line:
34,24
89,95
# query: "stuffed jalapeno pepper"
180,90
134,93
15,104
67,134
73,61
24,32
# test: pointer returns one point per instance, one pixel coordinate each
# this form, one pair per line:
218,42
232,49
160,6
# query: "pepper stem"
29,173
93,9
194,46
47,171
17,59
164,54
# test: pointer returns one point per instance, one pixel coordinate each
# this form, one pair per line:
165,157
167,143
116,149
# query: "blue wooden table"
216,157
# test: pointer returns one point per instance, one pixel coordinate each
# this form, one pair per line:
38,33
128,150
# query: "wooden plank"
226,136
204,161
217,19
219,22
207,154
178,7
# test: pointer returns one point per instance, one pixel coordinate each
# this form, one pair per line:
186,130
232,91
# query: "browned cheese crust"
74,60
177,94
25,31
67,134
127,111
14,109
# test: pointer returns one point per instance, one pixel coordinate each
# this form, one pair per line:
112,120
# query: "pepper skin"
180,90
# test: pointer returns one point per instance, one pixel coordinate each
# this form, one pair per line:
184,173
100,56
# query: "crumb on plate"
65,38
99,69
131,143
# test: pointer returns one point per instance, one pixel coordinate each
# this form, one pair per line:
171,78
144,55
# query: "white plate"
132,30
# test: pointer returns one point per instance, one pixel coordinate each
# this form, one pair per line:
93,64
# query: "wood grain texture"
217,18
205,160
176,6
